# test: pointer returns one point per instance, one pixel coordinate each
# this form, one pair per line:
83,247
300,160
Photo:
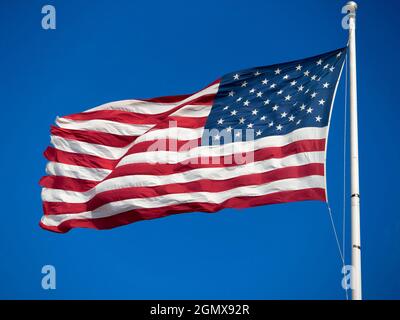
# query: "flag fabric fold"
253,137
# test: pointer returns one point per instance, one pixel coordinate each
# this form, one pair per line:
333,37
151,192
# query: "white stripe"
136,106
104,126
55,195
72,171
177,133
93,149
193,111
217,150
116,207
146,107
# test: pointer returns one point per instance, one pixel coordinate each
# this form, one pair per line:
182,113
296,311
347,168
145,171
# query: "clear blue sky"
110,50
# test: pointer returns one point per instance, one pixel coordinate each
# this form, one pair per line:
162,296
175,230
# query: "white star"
265,81
279,127
220,121
307,73
239,99
257,73
241,120
226,107
302,107
259,94
252,90
293,83
298,122
298,68
254,112
217,137
286,77
272,85
321,102
326,66
288,97
301,88
291,118
313,95
233,113
339,54
283,115
279,92
318,119
278,71
244,84
270,124
258,133
246,103
319,62
314,77
266,102
231,93
326,85
237,134
229,129
250,125
263,118
331,69
275,107
236,77
309,110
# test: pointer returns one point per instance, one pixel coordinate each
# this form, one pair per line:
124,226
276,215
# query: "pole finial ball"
352,4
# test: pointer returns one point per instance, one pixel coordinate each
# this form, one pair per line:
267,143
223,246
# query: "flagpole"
355,192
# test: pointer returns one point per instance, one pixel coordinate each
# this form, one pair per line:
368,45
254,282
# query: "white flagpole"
355,192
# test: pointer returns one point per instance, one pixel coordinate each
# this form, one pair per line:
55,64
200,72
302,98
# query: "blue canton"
276,99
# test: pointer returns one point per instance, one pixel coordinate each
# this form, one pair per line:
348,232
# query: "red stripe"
96,137
78,159
67,183
181,122
147,214
116,116
204,185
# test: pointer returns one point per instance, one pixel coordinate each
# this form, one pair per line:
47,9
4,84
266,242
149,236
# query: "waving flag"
253,137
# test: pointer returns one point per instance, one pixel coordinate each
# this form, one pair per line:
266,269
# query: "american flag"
253,137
